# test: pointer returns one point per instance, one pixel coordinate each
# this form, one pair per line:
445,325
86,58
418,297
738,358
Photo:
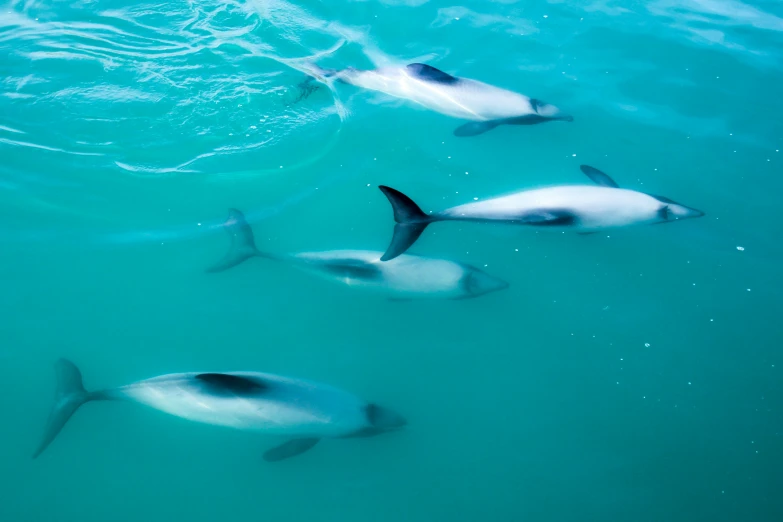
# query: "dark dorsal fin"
431,74
598,177
227,384
352,268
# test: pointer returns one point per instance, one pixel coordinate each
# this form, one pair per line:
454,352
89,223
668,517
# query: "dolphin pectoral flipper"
289,449
69,396
598,177
474,128
243,244
411,222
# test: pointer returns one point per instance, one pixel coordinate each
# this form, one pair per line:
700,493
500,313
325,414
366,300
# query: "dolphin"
407,277
484,105
305,411
583,208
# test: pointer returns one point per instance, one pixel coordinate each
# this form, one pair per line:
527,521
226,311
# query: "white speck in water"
646,345
516,250
466,173
449,157
546,16
475,199
689,383
712,320
485,266
247,135
748,289
230,133
457,18
740,248
281,166
252,126
368,184
573,155
198,224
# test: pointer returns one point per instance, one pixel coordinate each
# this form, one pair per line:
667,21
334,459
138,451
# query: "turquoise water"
632,374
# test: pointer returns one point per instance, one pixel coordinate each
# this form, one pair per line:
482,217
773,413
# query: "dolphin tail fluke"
70,395
243,243
315,75
411,222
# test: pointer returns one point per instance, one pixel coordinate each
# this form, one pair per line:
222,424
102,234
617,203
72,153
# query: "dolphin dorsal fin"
598,177
430,73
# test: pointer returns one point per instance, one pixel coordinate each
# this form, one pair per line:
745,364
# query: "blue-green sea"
633,374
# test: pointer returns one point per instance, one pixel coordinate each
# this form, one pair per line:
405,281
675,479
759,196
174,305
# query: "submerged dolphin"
304,410
486,106
407,277
584,208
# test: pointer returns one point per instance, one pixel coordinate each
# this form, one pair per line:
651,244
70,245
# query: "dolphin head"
383,419
673,211
476,282
548,111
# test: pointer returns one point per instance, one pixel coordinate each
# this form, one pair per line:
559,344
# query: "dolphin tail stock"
243,243
410,222
69,396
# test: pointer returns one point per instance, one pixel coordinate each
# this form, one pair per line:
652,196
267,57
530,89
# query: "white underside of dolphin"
407,277
305,411
582,208
484,105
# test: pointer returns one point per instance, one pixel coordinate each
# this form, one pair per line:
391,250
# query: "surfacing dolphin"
486,106
305,411
405,278
583,208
